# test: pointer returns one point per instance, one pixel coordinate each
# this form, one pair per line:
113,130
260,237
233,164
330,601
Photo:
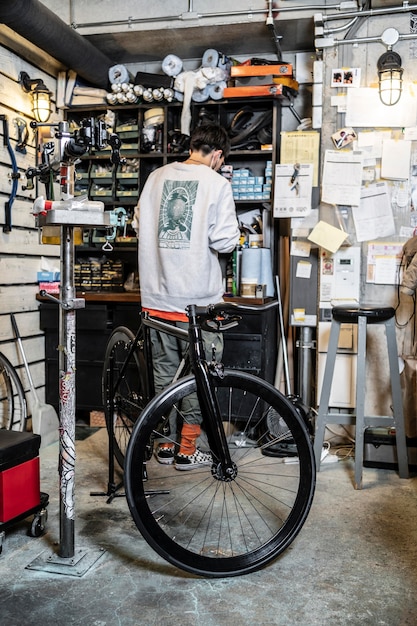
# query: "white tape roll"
210,58
118,74
172,65
216,91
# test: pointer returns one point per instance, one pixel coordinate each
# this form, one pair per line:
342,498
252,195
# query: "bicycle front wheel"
224,526
122,389
13,407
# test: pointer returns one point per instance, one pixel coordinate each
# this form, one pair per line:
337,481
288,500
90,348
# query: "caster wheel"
38,525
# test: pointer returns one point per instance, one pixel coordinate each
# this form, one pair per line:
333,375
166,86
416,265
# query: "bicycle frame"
209,405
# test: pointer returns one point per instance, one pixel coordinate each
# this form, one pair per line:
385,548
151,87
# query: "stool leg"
325,391
360,401
397,403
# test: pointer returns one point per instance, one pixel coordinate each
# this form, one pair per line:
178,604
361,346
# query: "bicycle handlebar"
211,310
224,315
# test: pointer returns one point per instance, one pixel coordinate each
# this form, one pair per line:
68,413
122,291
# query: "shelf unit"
253,345
145,151
146,147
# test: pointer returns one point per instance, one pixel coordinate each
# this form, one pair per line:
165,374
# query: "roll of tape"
153,117
118,74
172,65
216,91
210,58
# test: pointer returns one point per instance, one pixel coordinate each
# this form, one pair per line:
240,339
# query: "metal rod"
305,363
67,341
283,338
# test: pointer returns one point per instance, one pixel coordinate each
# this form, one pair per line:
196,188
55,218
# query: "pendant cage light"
390,77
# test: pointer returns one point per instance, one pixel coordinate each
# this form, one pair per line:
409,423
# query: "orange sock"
189,435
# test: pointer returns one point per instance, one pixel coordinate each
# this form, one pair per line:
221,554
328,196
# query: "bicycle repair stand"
112,487
68,215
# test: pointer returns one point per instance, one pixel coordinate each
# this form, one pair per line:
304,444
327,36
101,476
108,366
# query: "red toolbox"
19,474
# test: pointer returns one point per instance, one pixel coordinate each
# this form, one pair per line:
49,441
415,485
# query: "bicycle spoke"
223,526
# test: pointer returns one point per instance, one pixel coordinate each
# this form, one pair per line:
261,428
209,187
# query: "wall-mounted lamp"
41,96
390,72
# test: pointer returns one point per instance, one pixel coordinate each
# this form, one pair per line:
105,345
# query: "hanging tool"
14,176
22,134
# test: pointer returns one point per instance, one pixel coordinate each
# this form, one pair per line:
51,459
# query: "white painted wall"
20,250
365,56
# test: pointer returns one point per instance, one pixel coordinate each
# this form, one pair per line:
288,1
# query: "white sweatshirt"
187,217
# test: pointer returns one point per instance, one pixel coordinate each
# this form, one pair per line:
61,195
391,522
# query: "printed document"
373,217
342,177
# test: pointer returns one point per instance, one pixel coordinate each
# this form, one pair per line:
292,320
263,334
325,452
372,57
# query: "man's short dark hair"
208,137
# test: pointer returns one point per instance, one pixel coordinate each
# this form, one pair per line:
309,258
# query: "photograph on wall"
346,77
343,137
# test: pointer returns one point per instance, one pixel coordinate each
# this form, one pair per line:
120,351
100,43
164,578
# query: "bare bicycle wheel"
123,385
13,407
213,525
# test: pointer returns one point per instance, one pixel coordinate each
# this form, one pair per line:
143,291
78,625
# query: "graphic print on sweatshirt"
176,213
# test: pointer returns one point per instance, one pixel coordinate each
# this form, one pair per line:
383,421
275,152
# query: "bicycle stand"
68,561
112,487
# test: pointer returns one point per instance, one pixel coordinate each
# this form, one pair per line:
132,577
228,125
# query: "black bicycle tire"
137,490
121,336
12,396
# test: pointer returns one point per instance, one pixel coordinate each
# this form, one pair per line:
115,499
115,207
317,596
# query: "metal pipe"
340,29
306,347
67,396
376,39
171,18
39,25
405,8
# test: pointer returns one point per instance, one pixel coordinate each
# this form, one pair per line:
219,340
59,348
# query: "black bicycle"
242,512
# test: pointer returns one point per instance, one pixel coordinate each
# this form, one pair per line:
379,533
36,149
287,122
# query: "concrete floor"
354,562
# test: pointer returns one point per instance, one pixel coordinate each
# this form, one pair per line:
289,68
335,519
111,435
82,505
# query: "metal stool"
362,316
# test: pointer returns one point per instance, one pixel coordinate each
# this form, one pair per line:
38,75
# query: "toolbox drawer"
19,473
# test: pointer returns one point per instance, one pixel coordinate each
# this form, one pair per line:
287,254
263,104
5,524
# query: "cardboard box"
47,277
50,287
97,419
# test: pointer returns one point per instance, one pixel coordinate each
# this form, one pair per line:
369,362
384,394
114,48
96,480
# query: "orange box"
252,90
284,69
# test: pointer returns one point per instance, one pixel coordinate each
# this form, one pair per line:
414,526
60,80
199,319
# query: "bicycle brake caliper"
217,369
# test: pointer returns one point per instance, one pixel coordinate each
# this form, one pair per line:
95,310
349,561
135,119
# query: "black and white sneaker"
193,461
165,454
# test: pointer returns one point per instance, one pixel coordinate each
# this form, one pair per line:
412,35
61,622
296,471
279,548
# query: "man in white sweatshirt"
187,217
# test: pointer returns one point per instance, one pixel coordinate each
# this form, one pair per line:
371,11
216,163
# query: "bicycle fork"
223,467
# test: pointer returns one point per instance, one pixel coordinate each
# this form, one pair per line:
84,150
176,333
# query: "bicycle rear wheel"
214,527
13,408
125,389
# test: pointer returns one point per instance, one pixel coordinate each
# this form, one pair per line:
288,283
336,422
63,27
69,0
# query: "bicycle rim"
13,408
208,526
126,391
